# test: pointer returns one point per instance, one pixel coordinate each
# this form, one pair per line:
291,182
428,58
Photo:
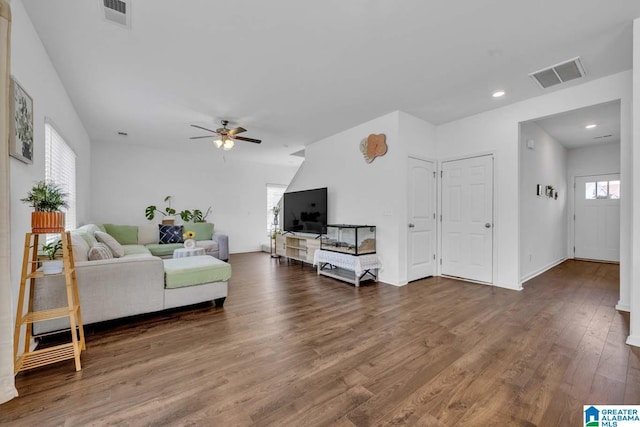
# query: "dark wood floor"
291,348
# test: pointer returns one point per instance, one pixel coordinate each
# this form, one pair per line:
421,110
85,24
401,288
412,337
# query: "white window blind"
60,168
274,194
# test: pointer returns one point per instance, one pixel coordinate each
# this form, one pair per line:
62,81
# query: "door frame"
571,223
436,168
494,258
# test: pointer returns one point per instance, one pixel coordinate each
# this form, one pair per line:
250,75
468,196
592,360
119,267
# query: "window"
602,190
274,194
60,168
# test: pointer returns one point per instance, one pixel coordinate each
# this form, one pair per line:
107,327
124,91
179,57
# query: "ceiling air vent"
117,11
559,73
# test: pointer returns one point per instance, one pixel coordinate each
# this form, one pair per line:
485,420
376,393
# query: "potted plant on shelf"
46,198
168,213
52,266
196,215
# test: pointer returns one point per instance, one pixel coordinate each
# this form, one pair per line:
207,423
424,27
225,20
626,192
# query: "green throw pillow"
124,234
203,230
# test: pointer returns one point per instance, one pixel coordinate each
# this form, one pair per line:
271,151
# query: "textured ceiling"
293,72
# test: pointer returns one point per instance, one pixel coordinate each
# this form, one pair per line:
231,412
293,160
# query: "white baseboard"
542,270
623,307
633,340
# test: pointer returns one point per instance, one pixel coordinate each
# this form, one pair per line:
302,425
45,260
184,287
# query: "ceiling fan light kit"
227,136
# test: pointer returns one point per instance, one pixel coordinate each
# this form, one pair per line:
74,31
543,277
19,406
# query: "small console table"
349,268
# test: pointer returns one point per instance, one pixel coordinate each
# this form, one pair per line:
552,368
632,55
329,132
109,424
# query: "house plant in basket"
46,198
53,266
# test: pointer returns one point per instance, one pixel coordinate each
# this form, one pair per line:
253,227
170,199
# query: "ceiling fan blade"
200,127
242,138
199,137
236,131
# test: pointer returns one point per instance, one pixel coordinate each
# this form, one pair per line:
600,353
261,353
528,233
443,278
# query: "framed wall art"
21,121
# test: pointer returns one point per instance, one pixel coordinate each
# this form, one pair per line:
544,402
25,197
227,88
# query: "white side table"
187,252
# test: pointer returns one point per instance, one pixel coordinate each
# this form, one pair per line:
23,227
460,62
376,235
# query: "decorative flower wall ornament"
373,146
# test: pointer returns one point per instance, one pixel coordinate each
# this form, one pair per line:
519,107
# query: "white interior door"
597,217
421,236
467,218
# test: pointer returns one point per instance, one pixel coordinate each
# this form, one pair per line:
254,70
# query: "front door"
597,217
421,236
467,218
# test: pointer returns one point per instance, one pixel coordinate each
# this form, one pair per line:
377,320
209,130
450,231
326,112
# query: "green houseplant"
46,198
195,215
168,213
53,266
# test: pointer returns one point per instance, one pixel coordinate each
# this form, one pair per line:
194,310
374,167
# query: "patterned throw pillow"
116,248
170,234
100,251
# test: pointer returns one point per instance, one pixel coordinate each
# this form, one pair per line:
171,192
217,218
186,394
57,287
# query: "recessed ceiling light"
498,94
590,126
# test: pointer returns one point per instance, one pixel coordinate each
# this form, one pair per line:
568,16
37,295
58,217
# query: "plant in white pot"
53,266
46,198
168,213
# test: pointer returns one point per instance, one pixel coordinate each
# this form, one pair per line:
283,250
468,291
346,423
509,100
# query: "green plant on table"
46,197
52,248
150,211
195,215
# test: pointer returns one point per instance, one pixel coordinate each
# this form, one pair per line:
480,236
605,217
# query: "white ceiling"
293,72
569,128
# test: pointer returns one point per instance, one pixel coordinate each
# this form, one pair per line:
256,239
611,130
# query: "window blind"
60,168
274,194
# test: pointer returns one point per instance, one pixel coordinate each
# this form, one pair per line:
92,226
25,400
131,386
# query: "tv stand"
297,247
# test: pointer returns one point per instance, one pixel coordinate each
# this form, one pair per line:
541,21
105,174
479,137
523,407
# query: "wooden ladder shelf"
30,272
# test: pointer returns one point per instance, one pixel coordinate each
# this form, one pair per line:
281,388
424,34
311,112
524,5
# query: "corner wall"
497,131
32,68
370,193
197,178
543,231
634,300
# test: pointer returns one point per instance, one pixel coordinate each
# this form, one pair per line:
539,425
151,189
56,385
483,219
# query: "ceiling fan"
227,136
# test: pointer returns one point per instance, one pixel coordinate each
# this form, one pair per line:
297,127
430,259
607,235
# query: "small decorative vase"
189,243
168,220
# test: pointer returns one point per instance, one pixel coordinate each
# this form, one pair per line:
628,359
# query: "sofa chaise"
135,283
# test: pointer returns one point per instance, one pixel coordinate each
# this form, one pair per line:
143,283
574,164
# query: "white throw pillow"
100,251
148,233
116,248
80,248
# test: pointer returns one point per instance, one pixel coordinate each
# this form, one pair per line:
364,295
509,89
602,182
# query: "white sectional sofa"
120,287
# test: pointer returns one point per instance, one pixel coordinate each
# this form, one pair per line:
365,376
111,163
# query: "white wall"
634,155
128,178
497,131
543,230
370,193
31,66
595,160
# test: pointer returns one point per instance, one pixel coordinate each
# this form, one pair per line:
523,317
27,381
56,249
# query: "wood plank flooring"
290,348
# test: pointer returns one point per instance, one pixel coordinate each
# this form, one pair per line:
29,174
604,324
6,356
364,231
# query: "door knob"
487,225
411,225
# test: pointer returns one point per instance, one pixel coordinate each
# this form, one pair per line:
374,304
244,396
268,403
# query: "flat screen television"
305,211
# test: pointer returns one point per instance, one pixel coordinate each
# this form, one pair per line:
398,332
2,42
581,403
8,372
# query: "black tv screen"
305,211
